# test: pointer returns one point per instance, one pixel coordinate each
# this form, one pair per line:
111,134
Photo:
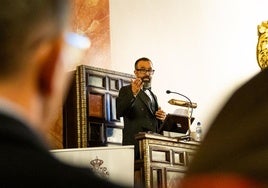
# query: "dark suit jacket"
237,141
26,162
138,114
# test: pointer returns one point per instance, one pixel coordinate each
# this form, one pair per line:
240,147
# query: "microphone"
180,102
186,104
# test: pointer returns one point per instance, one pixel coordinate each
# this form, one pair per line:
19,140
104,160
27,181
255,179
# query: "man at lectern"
138,105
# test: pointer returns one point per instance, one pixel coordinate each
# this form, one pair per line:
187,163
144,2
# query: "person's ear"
48,67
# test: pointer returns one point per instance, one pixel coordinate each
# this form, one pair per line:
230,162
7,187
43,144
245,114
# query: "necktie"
150,95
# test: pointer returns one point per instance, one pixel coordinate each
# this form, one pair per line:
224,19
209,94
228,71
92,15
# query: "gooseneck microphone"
188,104
168,92
183,103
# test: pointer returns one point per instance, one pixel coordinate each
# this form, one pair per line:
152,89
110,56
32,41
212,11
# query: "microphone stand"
190,112
188,133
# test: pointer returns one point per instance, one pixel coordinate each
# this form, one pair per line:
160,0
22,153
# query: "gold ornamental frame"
262,46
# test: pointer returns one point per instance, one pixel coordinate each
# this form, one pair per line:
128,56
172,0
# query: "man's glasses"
144,71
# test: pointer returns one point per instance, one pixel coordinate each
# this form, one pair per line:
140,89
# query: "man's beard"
146,82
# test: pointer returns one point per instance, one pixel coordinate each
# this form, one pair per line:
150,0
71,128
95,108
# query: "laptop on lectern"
175,123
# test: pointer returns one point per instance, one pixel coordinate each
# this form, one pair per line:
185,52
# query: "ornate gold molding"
262,46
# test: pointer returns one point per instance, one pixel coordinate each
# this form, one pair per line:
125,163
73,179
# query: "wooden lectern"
163,160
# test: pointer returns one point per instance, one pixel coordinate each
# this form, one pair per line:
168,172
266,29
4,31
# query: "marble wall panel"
91,18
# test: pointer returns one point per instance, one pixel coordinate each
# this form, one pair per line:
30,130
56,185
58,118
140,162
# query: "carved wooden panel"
172,175
114,84
112,111
96,104
180,158
157,176
90,110
96,134
96,81
163,160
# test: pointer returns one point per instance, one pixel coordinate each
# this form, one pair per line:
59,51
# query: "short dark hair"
20,22
141,59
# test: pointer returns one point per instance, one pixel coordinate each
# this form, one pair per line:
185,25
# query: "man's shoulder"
125,87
